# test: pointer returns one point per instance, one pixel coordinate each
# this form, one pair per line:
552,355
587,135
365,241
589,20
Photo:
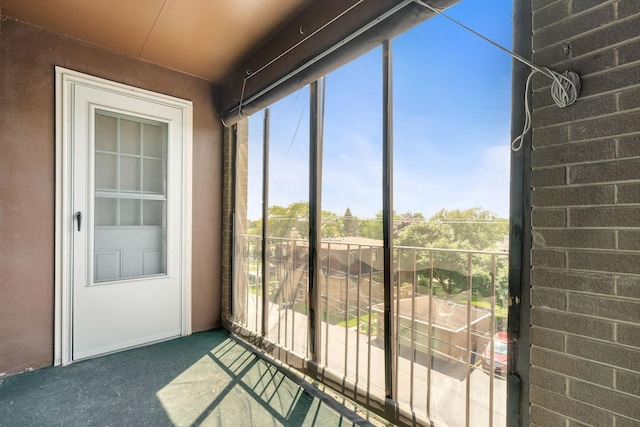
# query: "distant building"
447,329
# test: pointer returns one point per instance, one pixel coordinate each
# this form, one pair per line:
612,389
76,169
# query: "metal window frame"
316,126
391,385
520,239
265,224
520,232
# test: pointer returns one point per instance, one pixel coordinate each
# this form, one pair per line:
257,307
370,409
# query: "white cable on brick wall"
564,91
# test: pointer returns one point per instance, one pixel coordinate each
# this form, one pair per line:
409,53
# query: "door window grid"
136,149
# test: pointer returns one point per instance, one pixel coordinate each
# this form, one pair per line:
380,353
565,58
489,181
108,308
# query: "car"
500,348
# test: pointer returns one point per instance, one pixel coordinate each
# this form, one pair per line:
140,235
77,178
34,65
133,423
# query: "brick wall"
585,276
233,150
227,216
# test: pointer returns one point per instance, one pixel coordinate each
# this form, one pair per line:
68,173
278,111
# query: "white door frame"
66,81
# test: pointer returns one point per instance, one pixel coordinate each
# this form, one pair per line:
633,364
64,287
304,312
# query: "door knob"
79,219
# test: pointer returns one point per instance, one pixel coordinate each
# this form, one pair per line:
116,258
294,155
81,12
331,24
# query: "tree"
290,221
371,228
425,234
470,229
332,225
350,223
400,222
293,222
480,227
255,228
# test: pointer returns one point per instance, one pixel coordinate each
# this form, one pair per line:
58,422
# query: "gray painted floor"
206,379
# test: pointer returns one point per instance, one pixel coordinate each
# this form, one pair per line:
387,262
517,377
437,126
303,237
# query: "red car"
500,347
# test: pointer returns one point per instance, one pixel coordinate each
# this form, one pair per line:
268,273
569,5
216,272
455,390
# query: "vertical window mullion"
316,118
234,232
265,223
387,220
141,173
118,172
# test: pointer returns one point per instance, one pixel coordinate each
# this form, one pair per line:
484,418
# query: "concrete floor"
206,379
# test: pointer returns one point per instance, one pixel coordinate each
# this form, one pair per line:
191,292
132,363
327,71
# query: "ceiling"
204,38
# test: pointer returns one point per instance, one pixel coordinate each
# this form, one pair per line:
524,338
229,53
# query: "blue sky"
452,94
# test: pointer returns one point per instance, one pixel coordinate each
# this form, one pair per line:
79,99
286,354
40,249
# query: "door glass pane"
153,177
129,137
105,163
130,197
106,211
129,173
106,133
152,140
129,212
153,212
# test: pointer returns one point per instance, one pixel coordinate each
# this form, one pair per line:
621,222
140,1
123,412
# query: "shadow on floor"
206,379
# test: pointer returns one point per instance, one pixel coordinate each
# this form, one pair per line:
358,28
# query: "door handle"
79,219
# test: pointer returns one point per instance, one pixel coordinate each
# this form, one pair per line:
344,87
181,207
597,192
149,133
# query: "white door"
126,210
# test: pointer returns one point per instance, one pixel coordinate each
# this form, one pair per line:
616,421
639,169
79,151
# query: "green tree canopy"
470,229
474,228
478,226
289,221
293,221
371,228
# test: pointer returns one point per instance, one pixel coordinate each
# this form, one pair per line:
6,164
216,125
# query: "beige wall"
27,182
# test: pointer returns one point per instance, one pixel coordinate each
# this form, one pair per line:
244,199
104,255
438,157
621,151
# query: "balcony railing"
448,313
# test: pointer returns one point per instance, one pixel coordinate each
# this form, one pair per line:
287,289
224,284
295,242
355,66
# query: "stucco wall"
27,182
585,277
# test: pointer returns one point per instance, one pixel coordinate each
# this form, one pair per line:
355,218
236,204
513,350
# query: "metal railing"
448,306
